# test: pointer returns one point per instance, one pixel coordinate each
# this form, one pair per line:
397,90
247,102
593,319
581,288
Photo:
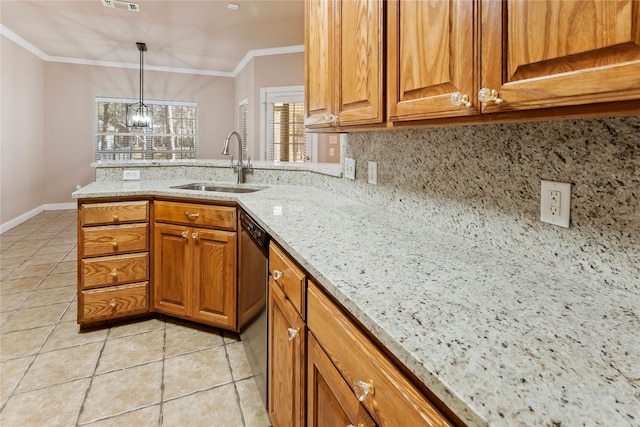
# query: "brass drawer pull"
112,303
115,218
114,272
192,215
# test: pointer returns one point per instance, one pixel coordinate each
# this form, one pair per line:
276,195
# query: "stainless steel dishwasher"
253,273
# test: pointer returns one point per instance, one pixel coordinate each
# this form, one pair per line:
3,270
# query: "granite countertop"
500,339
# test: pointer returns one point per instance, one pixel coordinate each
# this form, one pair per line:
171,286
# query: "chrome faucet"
238,166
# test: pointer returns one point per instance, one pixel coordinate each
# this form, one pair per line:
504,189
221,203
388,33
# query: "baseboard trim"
28,215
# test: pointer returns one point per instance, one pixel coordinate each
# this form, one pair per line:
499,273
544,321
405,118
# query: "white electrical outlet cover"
373,173
349,168
559,216
131,175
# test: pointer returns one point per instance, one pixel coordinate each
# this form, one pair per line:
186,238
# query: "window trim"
270,94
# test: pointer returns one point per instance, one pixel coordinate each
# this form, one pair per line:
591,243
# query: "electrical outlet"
373,173
555,203
350,168
131,175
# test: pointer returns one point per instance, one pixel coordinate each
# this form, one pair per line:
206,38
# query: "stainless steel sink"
219,188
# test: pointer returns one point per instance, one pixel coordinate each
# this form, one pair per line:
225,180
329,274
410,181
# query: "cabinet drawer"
221,217
115,239
394,400
288,276
115,270
113,302
114,213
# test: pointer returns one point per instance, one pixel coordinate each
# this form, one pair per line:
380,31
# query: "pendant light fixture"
138,114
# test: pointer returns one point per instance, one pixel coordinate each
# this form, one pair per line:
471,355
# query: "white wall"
48,117
70,93
265,71
23,176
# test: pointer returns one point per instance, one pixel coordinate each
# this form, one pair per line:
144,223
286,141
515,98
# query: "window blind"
243,113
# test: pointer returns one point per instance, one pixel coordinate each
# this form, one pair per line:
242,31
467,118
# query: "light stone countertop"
500,339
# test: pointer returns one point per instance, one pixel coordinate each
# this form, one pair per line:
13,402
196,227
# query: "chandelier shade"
138,114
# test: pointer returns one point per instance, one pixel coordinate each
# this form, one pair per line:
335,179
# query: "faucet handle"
231,160
249,165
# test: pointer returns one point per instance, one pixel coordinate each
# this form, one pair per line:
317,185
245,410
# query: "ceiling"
202,37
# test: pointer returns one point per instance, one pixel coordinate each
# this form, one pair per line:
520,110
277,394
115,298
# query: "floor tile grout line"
164,358
93,375
235,387
35,356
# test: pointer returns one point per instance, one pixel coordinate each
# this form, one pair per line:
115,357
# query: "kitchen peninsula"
498,338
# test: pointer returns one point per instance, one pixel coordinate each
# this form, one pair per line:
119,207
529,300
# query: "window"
243,116
284,135
174,134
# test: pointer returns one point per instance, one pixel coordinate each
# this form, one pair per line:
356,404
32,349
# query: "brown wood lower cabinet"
384,390
330,399
286,361
195,274
113,260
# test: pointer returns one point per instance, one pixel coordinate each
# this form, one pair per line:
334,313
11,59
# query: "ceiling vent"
133,7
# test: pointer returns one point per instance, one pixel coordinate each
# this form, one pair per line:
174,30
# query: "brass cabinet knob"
112,303
489,95
458,98
363,389
276,274
293,333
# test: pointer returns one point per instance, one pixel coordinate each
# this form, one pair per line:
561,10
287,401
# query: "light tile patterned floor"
156,372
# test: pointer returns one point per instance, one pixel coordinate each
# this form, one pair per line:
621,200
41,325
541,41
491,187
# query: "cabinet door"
286,360
538,54
360,45
318,63
330,400
214,277
432,54
172,269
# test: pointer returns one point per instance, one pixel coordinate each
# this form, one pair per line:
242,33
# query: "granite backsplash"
483,182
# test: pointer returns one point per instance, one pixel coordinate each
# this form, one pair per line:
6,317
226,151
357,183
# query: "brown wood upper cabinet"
344,62
538,54
432,49
458,57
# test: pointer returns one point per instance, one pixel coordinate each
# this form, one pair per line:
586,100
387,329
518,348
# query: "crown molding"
79,61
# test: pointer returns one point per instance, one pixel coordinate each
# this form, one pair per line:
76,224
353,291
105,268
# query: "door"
286,361
360,56
539,54
214,277
318,63
172,269
432,53
330,400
